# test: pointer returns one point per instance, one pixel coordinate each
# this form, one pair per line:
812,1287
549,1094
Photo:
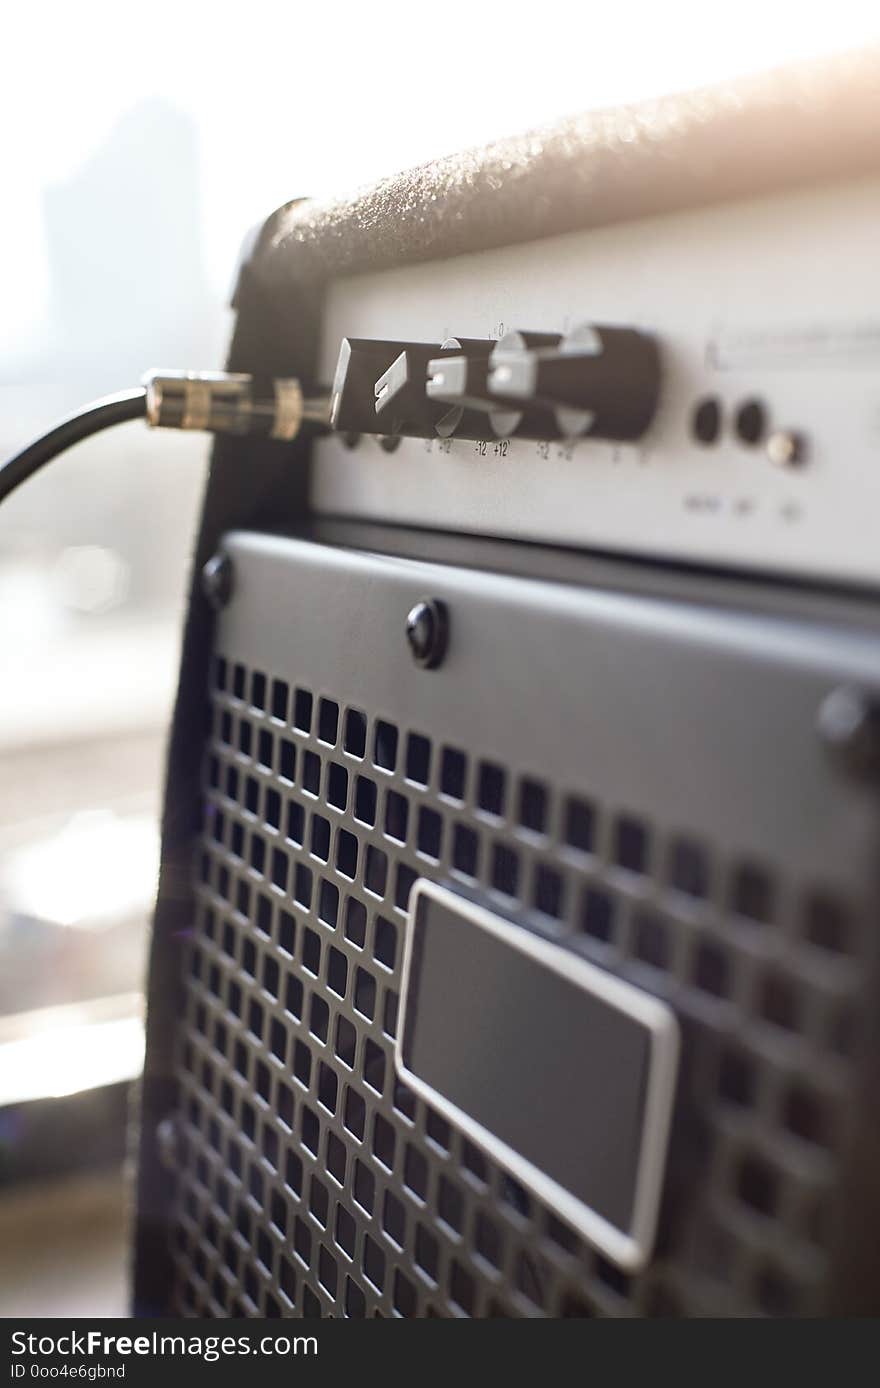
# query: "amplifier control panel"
703,387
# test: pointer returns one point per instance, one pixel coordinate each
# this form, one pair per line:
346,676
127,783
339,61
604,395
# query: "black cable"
113,409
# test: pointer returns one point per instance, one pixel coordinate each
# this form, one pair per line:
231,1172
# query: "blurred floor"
63,1248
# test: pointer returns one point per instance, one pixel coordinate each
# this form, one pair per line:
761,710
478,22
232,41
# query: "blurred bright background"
140,145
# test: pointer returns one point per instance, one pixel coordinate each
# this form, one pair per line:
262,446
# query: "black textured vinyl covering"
785,128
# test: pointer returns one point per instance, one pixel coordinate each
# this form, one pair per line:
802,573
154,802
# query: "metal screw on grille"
427,628
217,578
849,725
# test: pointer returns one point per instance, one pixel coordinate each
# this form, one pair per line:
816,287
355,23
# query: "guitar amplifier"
515,951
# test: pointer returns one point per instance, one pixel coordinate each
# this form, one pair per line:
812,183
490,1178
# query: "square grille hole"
245,737
345,1045
430,831
310,1130
374,1066
311,1305
258,690
528,1279
337,972
532,808
355,1113
293,1174
426,1252
258,852
450,1205
778,1001
288,1281
346,854
384,1141
548,892
807,1114
265,749
302,886
651,940
490,788
320,837
474,1163
355,1301
365,994
597,913
328,1087
751,893
689,868
375,870
364,1186
374,1263
286,932
396,816
631,844
280,700
418,759
302,1063
827,925
355,921
278,1040
302,1241
319,1018
579,825
319,1201
311,954
273,808
327,1271
302,711
736,1078
238,681
415,1172
328,721
365,800
462,1288
346,1230
711,969
355,734
758,1185
404,1297
453,769
487,1240
336,1158
328,903
394,1219
385,942
385,746
505,870
293,997
296,823
311,775
465,850
252,795
337,786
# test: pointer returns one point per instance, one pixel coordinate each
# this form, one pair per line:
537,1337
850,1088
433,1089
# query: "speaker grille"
313,1183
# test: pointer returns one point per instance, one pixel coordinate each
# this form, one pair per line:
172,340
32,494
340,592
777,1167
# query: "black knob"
362,361
599,381
403,404
465,381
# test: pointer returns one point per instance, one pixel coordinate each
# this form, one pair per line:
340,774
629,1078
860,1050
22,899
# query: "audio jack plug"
217,402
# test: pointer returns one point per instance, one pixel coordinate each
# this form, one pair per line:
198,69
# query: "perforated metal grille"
312,1183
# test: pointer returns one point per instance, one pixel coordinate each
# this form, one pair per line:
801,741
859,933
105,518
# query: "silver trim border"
630,1249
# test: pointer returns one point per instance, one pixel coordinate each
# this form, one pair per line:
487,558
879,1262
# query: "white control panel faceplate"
775,300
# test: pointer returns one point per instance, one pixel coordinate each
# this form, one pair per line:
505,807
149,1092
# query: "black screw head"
849,725
217,578
427,630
